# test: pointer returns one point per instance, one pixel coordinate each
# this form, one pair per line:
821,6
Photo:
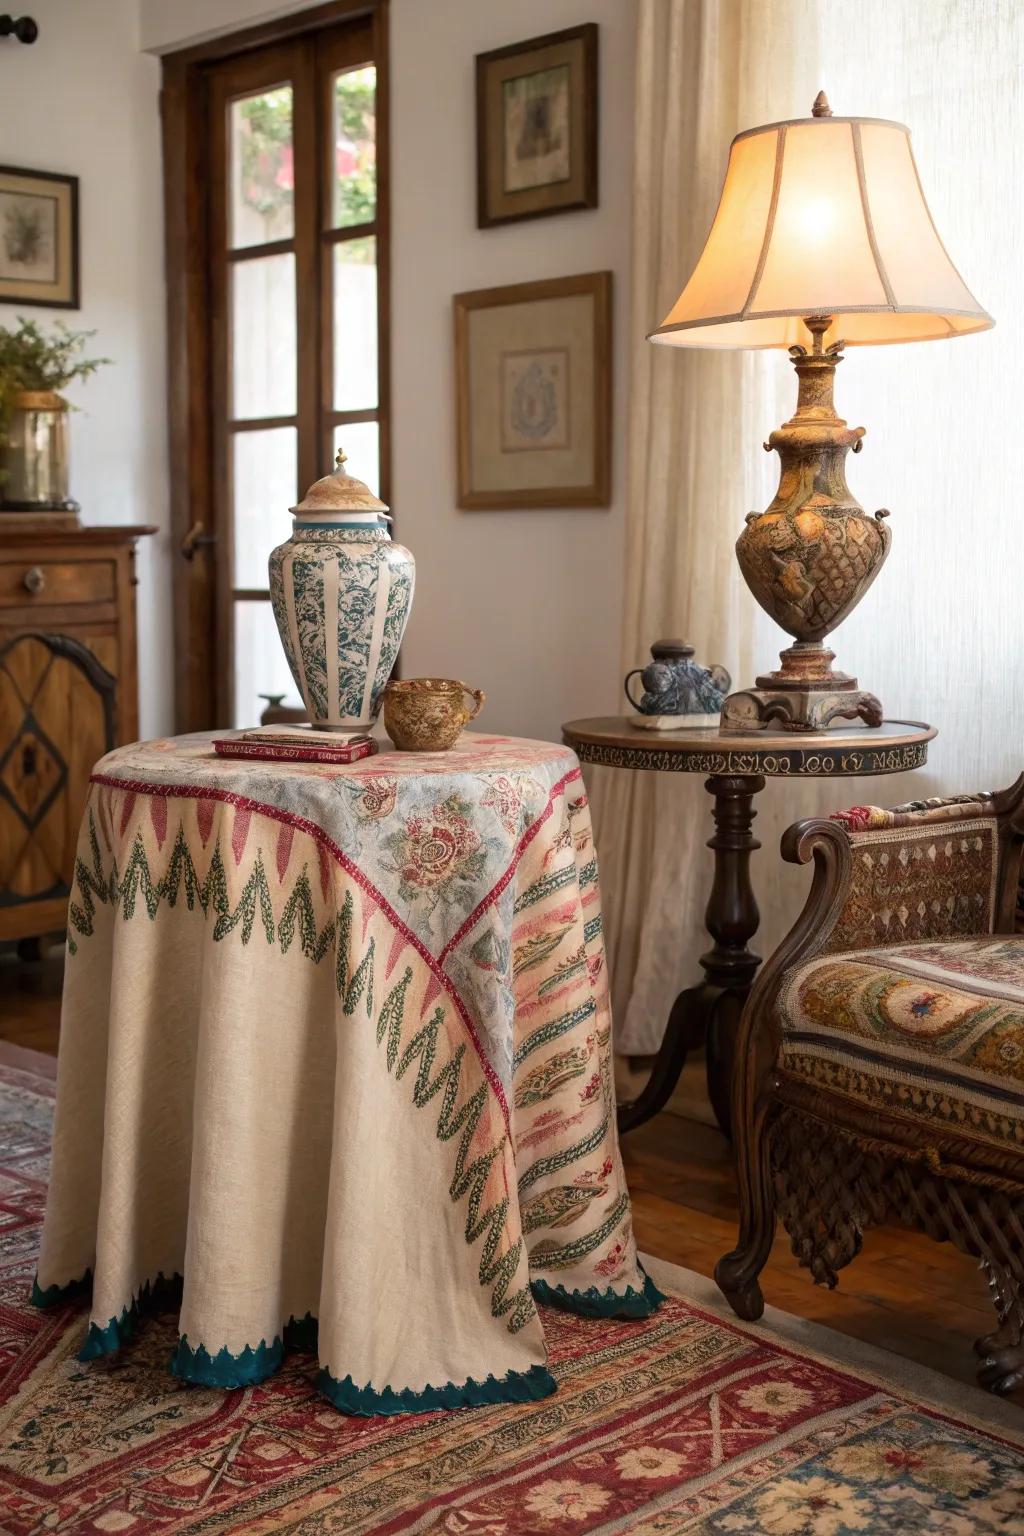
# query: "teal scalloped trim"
164,1291
57,1295
517,1387
224,1369
595,1303
251,1366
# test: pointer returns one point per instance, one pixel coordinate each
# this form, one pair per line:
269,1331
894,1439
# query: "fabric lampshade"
822,216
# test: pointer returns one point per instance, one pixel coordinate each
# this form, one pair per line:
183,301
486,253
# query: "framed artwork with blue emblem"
533,366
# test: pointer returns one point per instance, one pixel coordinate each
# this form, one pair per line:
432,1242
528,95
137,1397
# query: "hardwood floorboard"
920,1299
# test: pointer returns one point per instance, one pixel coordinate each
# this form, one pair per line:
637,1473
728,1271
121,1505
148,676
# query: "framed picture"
536,127
534,393
38,238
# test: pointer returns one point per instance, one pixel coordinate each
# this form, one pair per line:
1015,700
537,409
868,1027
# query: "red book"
266,749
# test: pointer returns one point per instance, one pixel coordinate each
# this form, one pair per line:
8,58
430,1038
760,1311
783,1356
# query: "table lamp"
822,240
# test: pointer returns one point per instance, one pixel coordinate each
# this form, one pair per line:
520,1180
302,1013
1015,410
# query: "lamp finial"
340,460
821,107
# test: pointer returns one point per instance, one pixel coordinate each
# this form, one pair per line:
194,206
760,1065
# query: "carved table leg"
686,1030
732,920
710,1011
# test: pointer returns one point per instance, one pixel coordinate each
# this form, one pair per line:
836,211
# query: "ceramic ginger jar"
341,592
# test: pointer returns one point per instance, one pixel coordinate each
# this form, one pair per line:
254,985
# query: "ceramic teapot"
675,684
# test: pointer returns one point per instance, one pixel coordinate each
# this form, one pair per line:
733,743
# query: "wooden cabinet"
68,693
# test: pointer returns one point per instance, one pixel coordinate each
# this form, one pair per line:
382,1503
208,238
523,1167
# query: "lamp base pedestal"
805,694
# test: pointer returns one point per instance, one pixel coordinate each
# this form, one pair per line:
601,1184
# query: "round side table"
737,765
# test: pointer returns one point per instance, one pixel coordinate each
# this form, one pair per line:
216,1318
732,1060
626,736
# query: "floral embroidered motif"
440,852
505,797
376,797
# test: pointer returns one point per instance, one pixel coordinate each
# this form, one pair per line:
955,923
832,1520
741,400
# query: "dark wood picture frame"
596,492
576,47
67,282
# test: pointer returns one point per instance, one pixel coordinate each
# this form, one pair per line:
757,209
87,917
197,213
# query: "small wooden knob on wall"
34,580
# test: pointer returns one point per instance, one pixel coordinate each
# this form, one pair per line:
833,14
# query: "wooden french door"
294,225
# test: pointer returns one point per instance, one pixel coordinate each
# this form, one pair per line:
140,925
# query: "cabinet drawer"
25,582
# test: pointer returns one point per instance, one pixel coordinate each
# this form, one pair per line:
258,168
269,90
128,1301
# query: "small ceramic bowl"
427,714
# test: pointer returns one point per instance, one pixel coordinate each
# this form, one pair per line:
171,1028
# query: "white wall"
526,605
165,25
82,99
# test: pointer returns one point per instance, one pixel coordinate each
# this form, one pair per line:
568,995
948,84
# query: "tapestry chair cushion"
932,1031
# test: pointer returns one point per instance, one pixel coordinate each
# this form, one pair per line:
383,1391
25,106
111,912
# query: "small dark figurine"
674,684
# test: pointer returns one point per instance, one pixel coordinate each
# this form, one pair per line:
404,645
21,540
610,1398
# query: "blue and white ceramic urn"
341,594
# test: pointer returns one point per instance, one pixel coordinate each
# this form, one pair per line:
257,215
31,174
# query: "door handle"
194,538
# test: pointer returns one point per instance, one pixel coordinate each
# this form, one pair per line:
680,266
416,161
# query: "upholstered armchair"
880,1060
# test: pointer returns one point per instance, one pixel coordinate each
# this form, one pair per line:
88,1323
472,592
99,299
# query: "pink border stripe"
243,802
521,847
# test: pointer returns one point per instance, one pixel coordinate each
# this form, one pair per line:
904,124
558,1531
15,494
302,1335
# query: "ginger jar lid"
338,496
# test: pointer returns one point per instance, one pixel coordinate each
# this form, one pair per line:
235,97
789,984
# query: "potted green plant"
35,365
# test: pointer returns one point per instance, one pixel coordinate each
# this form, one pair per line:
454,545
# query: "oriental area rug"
681,1422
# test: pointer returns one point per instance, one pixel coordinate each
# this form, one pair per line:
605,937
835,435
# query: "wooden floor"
904,1293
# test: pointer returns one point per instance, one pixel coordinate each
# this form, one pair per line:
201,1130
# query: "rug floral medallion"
679,1422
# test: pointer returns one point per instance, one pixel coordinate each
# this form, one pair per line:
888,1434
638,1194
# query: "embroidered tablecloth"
335,1068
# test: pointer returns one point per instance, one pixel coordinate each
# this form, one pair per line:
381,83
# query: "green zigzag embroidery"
468,1178
181,881
298,920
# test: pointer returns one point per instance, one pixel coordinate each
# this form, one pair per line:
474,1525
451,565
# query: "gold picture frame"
533,365
536,127
39,262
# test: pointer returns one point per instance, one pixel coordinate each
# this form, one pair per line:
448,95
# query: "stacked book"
296,744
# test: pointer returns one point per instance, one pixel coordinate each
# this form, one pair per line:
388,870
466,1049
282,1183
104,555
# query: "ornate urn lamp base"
822,228
810,557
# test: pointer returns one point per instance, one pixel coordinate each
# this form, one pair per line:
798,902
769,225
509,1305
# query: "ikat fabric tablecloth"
335,1070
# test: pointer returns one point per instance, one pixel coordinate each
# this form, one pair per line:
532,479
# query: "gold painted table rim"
895,746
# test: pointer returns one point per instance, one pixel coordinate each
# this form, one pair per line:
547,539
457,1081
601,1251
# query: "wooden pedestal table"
736,765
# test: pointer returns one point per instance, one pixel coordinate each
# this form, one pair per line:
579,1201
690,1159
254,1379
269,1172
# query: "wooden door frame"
190,393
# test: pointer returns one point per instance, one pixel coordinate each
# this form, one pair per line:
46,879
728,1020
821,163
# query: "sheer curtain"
940,636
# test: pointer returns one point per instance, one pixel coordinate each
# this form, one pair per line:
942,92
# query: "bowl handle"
477,694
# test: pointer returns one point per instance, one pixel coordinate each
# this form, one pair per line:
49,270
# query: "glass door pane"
262,168
260,666
263,337
361,442
354,280
354,143
264,486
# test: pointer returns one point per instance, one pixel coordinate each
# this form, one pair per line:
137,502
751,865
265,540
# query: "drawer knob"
34,580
